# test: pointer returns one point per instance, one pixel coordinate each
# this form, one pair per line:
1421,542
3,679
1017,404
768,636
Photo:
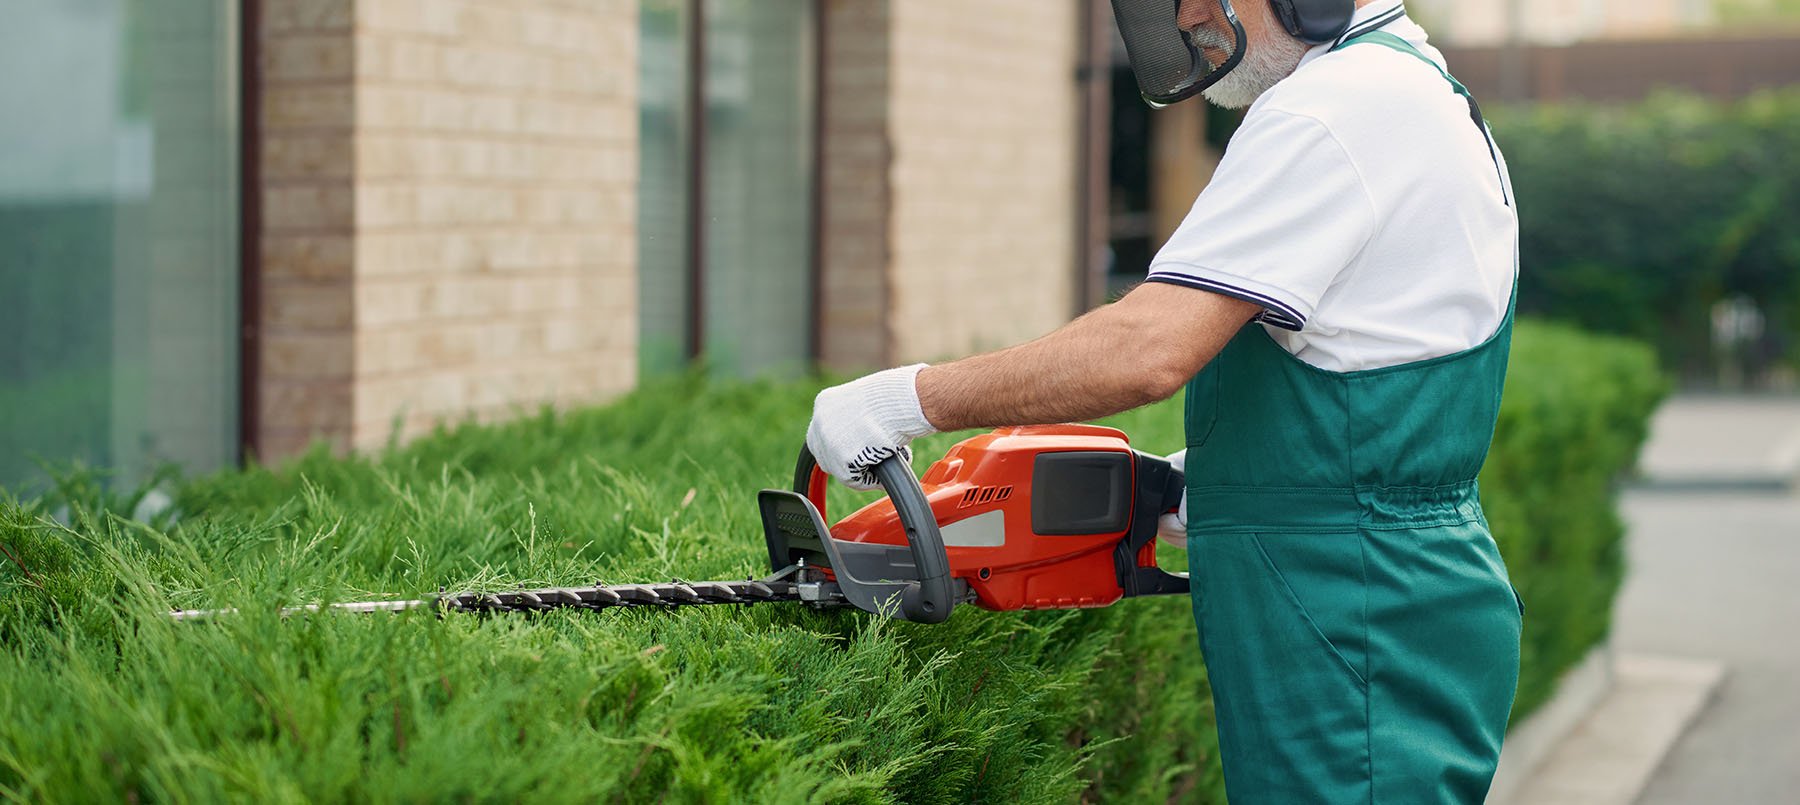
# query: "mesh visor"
1169,64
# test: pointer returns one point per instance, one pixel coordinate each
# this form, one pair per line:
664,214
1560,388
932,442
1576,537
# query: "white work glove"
859,424
1172,528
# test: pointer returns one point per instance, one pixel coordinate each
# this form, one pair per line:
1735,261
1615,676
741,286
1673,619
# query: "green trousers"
1360,666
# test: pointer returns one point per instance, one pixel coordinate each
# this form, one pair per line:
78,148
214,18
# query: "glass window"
118,236
664,296
759,103
756,180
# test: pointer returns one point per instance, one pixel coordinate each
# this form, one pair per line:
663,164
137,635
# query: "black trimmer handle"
928,598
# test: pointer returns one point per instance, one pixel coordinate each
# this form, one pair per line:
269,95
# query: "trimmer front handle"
926,598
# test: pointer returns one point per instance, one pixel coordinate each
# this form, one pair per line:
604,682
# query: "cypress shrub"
1577,410
107,699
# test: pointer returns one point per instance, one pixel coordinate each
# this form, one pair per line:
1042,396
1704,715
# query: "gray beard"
1263,66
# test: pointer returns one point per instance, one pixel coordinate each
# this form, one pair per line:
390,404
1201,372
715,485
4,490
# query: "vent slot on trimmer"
984,494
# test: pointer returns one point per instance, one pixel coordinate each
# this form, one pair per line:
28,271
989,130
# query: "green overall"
1358,626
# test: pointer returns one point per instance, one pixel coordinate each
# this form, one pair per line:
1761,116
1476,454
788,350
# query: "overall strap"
1394,42
1389,40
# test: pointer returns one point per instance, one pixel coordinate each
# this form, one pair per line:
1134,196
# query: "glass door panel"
759,105
118,236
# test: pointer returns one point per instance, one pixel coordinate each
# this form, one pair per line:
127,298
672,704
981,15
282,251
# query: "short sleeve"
1285,213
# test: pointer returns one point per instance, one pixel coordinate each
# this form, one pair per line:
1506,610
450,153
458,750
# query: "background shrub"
106,699
1638,219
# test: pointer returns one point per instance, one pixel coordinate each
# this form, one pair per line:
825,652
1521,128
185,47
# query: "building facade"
237,227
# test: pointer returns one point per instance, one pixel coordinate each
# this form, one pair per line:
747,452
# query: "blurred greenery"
1639,219
107,699
1743,11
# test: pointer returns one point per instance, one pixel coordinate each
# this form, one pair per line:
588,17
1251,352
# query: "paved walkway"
1722,441
1715,573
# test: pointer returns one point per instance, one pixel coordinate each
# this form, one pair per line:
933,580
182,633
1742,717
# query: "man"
1339,304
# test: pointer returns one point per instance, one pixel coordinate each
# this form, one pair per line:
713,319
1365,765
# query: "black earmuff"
1315,22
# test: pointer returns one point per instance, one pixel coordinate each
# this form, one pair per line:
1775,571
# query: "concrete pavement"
1705,705
1717,575
1609,757
1723,442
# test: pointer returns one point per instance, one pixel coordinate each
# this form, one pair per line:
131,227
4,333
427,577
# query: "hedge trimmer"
1042,517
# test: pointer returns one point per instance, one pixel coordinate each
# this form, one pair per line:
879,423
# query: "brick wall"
950,183
308,209
984,110
496,156
857,158
449,212
449,199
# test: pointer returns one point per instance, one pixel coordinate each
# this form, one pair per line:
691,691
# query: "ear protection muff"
1315,22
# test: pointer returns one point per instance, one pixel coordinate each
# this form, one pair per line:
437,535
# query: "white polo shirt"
1360,205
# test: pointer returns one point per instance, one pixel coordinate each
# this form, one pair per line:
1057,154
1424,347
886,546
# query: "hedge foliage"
105,699
1576,411
1637,219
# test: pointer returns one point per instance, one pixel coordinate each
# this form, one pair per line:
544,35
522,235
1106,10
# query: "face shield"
1171,64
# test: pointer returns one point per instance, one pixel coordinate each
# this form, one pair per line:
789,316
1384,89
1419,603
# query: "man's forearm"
1131,353
1078,372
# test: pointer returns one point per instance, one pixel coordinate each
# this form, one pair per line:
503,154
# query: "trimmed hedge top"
106,698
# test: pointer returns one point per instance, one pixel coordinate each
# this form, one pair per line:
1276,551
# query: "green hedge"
105,699
1637,219
1576,411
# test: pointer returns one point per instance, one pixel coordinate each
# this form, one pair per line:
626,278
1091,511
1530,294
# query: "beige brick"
380,400
380,303
415,61
391,253
306,207
982,177
465,252
283,16
488,114
491,22
312,307
857,180
307,406
309,155
446,347
383,107
484,297
387,205
404,16
308,57
465,174
316,106
510,340
308,356
390,156
577,77
485,68
542,294
614,123
382,352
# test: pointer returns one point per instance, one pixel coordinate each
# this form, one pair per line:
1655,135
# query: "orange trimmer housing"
1039,517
